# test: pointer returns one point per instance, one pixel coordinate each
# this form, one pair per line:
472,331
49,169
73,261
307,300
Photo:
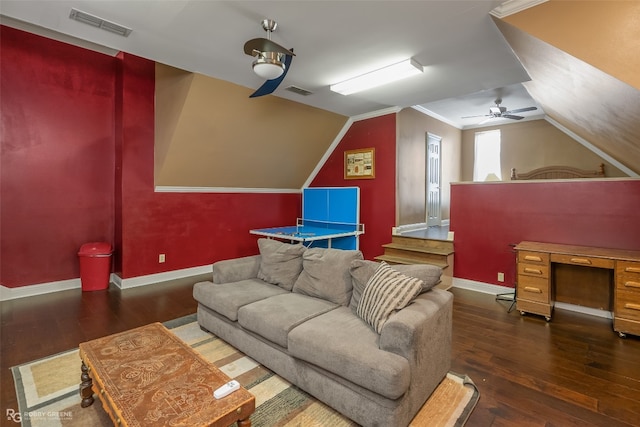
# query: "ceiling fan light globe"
269,66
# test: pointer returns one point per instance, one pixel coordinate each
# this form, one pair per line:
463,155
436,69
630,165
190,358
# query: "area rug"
47,390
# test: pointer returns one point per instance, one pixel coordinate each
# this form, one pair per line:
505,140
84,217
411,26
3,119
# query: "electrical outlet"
161,258
500,277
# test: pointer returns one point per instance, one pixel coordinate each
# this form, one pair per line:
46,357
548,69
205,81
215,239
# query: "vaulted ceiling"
577,61
583,59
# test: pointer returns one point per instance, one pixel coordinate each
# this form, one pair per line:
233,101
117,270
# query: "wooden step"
446,280
413,250
404,260
417,257
422,249
422,243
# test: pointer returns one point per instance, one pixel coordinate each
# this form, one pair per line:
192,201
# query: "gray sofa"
329,322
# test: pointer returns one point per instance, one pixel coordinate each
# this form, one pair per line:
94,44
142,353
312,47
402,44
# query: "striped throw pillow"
386,291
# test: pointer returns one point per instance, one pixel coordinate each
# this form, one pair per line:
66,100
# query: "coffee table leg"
244,423
86,387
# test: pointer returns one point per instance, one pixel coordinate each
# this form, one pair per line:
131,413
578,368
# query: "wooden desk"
603,278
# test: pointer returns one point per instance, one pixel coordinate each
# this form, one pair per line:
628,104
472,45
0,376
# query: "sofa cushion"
227,298
281,263
274,317
341,343
325,274
387,291
362,270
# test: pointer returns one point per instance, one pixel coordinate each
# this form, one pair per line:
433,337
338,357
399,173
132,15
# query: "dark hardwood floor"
573,371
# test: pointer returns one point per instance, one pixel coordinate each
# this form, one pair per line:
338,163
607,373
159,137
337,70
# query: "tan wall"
209,133
604,34
411,181
595,105
531,145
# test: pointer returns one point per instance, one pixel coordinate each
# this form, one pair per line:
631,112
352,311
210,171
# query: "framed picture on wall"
360,164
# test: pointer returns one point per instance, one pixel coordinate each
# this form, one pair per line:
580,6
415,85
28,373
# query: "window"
486,165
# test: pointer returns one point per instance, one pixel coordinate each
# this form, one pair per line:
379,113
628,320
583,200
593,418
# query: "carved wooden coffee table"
149,377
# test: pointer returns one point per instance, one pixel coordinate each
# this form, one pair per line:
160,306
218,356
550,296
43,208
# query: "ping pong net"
304,225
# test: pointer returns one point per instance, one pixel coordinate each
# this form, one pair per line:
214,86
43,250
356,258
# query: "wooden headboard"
558,172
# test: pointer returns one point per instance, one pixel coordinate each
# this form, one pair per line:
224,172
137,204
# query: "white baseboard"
149,279
396,231
408,227
487,288
7,294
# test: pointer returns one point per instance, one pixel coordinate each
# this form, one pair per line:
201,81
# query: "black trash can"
95,265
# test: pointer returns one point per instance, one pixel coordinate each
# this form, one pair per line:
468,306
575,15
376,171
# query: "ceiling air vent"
98,22
299,90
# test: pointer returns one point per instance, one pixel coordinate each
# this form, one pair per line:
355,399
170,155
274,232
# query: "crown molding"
436,116
592,148
511,7
377,113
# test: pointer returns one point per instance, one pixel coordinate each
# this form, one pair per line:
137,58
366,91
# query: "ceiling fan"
501,112
272,60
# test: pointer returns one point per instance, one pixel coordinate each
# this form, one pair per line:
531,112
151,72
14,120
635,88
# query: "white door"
433,179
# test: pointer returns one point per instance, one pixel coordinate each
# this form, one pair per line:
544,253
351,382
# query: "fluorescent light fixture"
391,73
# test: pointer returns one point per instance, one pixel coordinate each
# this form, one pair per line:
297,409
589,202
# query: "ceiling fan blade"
265,45
270,85
520,110
485,120
471,117
509,116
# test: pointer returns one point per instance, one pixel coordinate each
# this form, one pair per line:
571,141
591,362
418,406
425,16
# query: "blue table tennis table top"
310,233
330,218
303,233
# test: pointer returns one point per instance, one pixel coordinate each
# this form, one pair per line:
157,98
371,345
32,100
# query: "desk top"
587,251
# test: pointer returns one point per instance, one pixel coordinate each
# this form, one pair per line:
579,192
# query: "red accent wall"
77,166
487,217
378,195
57,163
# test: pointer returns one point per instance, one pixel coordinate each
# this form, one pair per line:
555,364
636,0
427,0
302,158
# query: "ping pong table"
315,233
330,219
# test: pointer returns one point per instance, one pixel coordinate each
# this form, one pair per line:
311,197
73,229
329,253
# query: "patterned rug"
47,390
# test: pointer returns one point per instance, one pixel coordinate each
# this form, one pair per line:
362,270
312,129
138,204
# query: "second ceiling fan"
501,112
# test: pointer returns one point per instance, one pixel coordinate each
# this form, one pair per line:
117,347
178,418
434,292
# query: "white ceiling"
467,62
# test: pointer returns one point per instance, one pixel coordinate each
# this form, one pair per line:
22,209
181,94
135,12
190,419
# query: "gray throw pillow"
386,291
281,263
325,274
362,270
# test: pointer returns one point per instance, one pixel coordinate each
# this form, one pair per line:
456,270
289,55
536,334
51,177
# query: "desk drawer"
627,304
583,260
533,270
533,288
528,257
628,276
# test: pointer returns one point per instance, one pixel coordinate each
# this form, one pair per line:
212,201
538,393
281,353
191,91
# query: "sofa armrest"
421,332
236,269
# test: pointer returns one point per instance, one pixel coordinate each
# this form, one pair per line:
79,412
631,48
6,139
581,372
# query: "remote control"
226,389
